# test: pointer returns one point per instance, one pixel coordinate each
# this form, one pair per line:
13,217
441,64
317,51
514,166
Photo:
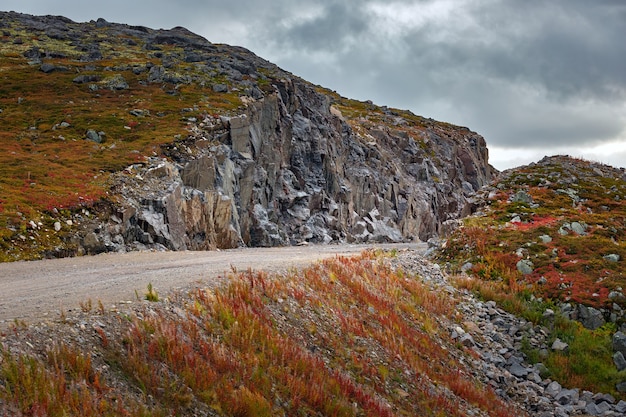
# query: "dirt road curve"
33,291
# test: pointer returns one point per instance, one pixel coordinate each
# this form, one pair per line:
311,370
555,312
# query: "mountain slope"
210,146
548,244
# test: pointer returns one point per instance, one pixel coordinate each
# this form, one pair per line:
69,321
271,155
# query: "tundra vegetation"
344,337
528,216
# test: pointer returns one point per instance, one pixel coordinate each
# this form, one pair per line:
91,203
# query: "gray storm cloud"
541,74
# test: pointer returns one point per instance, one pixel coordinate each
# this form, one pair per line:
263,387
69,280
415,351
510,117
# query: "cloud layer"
533,77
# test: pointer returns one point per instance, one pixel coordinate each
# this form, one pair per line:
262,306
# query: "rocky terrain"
471,356
547,245
186,144
123,138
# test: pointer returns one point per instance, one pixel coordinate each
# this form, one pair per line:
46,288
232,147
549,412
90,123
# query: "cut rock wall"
290,170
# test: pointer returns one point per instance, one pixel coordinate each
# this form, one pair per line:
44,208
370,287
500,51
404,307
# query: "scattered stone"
92,135
220,88
467,266
86,78
522,197
613,257
467,340
567,396
140,112
518,370
600,397
579,228
590,317
597,409
619,361
57,226
117,82
548,314
525,266
559,345
619,342
545,239
48,68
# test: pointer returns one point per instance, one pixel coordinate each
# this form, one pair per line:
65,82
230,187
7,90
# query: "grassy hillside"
565,219
47,168
61,82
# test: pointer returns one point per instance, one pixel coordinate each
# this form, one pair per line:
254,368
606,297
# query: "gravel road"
37,290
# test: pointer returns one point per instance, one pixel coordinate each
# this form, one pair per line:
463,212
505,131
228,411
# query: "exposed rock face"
283,168
291,169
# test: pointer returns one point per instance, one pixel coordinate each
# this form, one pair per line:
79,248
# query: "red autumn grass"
567,266
345,337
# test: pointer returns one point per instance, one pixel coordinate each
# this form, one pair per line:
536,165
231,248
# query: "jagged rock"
290,178
619,342
117,82
590,317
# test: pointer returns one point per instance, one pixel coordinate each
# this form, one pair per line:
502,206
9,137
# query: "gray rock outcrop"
278,165
290,169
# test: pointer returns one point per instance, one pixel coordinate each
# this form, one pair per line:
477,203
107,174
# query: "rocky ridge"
547,244
496,338
264,158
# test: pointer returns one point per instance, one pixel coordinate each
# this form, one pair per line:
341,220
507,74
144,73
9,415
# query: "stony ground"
488,341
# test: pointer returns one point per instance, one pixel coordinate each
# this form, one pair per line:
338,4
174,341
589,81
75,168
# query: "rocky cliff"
285,162
291,169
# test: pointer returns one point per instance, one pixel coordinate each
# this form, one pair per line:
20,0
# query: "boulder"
590,317
92,135
567,396
559,346
521,197
116,82
579,228
619,342
525,266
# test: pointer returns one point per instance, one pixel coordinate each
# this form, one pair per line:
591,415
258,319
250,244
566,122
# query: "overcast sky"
533,77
